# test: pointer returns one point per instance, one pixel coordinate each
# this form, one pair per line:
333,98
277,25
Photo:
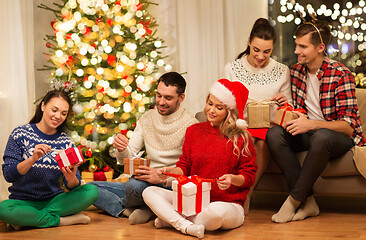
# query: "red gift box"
70,157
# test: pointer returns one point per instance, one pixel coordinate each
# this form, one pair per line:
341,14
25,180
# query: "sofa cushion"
342,166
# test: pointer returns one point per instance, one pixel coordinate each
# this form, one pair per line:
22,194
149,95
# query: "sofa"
341,176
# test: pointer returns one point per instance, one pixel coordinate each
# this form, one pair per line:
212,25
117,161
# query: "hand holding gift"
300,125
286,113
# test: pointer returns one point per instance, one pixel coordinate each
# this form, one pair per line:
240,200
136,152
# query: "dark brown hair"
315,39
261,29
174,79
38,114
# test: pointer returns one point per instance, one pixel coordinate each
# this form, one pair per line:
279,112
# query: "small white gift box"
191,197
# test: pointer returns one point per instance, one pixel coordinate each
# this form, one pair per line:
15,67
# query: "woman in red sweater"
220,148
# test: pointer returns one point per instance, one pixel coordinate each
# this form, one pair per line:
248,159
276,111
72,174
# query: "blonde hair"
229,129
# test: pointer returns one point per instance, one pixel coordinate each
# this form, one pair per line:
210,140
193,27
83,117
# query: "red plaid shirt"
337,94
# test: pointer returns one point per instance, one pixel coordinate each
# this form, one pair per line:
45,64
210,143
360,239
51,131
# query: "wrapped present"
104,174
259,113
131,164
69,157
191,194
286,113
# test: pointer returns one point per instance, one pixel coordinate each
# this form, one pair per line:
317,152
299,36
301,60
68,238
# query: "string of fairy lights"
348,25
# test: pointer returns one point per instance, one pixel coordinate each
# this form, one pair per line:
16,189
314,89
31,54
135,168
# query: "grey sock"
141,215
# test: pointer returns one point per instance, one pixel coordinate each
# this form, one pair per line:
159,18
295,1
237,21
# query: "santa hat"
234,95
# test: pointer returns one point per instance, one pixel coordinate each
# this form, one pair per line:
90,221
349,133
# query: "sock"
141,215
78,218
287,211
160,223
127,211
308,209
196,230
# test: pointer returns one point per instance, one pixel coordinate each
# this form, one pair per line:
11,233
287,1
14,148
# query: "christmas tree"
106,52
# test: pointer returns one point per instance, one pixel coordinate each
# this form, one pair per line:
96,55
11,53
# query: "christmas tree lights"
108,51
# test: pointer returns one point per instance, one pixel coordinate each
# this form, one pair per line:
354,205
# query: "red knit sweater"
208,154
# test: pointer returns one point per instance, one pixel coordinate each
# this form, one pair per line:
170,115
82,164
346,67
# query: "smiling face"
306,52
167,99
54,113
215,110
260,52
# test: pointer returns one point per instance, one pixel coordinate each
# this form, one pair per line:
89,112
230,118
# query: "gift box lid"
73,155
190,188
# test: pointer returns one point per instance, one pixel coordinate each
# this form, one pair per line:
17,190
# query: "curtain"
16,70
202,36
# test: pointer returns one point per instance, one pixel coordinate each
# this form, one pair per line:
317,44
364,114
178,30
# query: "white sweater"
262,83
162,137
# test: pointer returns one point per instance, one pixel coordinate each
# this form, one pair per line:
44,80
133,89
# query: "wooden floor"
339,223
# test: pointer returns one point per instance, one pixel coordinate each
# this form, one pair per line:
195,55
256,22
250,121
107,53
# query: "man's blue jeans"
115,196
111,197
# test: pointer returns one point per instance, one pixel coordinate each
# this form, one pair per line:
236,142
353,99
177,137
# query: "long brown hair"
261,29
38,114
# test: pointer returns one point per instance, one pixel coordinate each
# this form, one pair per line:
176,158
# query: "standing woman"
217,148
36,197
265,78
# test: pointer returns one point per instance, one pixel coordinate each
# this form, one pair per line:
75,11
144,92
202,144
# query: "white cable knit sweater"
162,137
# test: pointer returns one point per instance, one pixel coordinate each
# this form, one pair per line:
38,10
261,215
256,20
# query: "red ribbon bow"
287,107
182,179
146,24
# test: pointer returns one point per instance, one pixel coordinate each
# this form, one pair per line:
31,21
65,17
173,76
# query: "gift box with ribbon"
286,113
131,164
101,174
259,113
69,157
191,194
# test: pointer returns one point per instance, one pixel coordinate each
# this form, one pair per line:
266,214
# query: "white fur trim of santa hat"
223,94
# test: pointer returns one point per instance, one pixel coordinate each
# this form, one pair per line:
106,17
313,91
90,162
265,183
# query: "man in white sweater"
161,130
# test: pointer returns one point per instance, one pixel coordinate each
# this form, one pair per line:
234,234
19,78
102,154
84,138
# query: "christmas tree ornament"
92,168
77,108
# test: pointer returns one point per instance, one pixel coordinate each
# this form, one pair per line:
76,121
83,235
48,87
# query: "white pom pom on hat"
234,95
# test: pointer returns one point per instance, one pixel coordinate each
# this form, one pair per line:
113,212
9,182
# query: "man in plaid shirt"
326,90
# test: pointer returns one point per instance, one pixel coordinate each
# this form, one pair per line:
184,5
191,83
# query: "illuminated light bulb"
59,72
157,44
160,62
128,89
108,49
127,107
94,61
84,62
88,84
140,66
59,53
153,54
80,72
100,71
168,68
120,68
